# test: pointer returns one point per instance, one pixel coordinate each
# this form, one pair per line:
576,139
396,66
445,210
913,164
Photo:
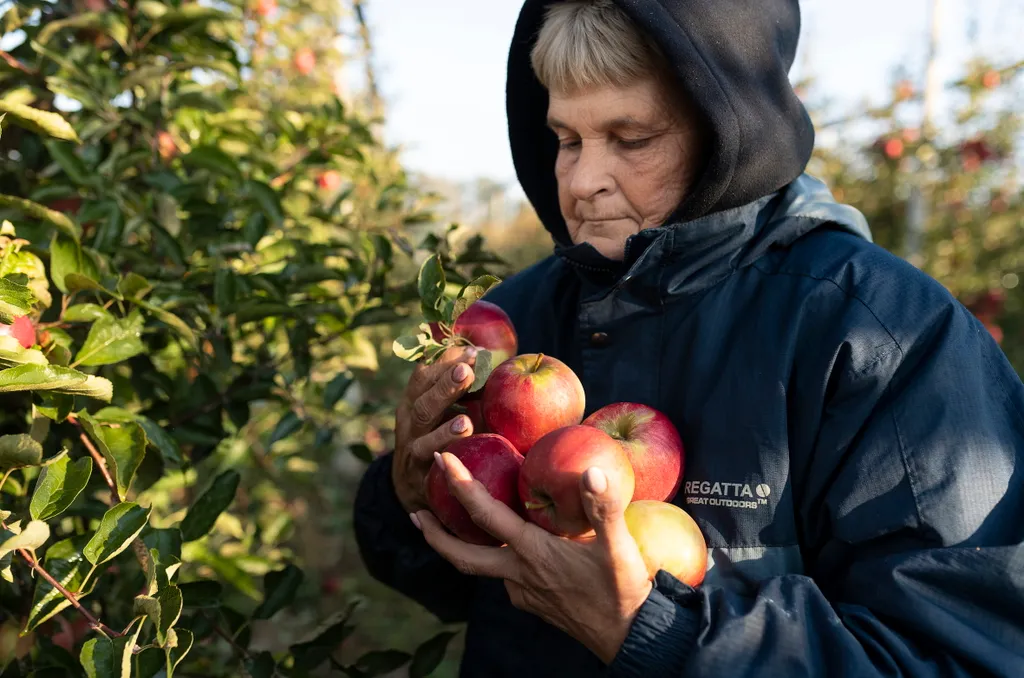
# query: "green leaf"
54,378
430,654
58,486
261,666
224,288
13,353
190,15
471,293
37,211
15,300
279,589
289,424
431,285
173,321
80,313
166,541
67,256
379,662
120,525
336,389
201,594
161,440
482,368
109,658
77,282
72,165
311,654
267,198
408,348
55,406
204,512
178,652
108,22
163,610
66,564
257,309
150,662
112,341
19,450
361,452
134,286
45,123
31,537
123,447
213,159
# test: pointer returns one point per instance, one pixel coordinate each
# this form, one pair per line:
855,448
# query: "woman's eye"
568,144
631,144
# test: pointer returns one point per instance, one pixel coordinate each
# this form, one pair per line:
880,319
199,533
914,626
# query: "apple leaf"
408,348
66,564
119,527
431,284
31,537
34,209
472,292
482,369
58,486
19,450
112,340
429,655
204,512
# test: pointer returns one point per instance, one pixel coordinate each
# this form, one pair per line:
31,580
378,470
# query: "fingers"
606,508
452,383
423,448
491,515
485,561
425,376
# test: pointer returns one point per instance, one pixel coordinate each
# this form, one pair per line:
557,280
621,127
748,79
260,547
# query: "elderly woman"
697,269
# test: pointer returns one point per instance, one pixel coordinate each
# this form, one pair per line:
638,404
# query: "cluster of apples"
531,445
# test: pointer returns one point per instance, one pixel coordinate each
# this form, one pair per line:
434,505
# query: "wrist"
618,628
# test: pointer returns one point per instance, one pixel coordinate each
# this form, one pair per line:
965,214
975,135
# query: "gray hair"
588,43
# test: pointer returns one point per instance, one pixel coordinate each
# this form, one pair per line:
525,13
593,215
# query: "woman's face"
625,161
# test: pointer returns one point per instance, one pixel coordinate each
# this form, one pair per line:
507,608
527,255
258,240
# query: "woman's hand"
431,389
590,588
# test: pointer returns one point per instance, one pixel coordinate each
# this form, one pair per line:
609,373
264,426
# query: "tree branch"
94,623
15,64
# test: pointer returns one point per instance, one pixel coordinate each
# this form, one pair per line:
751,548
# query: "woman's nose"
591,173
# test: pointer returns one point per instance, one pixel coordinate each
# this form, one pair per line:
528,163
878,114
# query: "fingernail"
462,372
471,352
415,521
595,480
439,460
460,425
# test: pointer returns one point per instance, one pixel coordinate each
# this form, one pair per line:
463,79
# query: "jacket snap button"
599,338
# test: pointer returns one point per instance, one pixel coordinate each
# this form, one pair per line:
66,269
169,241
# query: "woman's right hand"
431,390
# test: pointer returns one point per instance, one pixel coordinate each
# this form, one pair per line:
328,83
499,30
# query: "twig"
94,623
15,64
115,497
231,641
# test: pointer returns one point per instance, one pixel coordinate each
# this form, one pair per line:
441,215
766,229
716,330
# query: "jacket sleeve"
396,554
914,534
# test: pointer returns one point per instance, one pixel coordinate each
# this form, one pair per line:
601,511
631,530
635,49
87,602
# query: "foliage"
960,181
207,274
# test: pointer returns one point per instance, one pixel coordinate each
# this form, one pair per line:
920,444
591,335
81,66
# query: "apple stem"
533,505
536,365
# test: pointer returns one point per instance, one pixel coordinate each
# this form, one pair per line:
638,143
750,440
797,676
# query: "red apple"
329,180
266,7
990,79
21,329
893,148
549,482
166,146
652,444
530,396
495,463
669,540
485,325
305,60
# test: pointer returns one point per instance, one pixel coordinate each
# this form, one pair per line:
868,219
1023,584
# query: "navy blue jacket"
854,436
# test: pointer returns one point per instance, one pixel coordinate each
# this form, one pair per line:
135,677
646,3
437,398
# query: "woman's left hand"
591,588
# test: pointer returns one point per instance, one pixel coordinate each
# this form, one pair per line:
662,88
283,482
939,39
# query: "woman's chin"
611,248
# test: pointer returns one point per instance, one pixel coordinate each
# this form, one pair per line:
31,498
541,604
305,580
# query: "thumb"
605,504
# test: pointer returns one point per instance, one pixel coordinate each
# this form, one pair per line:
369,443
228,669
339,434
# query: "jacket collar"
684,258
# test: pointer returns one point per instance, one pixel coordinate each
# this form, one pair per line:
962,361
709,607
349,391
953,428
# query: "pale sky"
441,65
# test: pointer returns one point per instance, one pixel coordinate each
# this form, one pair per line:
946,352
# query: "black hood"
731,57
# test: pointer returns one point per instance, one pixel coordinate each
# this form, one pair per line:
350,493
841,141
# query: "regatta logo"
728,495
